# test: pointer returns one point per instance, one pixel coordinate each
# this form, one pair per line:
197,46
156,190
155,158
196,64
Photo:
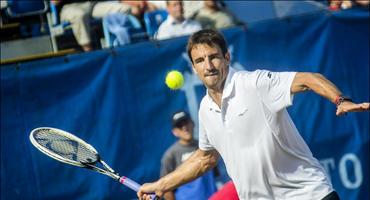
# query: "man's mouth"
211,74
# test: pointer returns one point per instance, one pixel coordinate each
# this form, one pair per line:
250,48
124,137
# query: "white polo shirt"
263,152
171,28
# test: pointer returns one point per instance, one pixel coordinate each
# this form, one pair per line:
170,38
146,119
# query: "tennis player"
243,119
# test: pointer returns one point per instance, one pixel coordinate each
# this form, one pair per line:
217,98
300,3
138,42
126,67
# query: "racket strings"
65,147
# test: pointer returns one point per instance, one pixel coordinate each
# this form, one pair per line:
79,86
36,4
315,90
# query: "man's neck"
186,142
216,97
216,93
178,19
212,10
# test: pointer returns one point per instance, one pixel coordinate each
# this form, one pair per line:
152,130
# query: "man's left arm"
316,82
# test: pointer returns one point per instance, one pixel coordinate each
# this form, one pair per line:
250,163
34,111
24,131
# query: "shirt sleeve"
274,88
204,143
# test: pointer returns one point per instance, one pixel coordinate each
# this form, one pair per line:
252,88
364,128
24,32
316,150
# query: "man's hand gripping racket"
69,149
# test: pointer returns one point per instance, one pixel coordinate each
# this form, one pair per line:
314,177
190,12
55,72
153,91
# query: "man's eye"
214,57
198,61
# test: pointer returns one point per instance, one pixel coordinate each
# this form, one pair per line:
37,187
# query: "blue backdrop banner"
117,101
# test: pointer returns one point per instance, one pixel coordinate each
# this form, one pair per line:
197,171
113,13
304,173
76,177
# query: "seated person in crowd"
190,7
79,13
158,4
214,16
176,25
346,4
199,189
140,7
120,26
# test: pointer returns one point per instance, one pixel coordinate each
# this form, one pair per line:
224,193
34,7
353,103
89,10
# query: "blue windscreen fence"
117,101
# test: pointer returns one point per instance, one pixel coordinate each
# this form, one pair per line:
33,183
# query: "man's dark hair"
207,36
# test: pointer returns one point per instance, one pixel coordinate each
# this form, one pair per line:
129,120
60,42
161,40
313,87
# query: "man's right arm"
198,163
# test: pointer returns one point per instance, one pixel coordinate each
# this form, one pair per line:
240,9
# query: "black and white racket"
69,149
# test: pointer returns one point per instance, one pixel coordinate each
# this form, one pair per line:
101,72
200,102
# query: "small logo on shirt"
269,74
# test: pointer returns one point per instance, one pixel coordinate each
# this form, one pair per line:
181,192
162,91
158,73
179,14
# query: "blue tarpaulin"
117,101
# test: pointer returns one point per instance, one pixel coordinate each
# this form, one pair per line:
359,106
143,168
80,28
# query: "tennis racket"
69,149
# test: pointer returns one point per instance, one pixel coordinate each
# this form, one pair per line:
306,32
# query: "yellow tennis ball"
174,80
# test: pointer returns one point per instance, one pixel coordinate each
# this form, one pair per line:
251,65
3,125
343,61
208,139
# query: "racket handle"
133,185
129,183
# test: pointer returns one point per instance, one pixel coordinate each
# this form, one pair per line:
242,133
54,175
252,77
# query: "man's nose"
208,64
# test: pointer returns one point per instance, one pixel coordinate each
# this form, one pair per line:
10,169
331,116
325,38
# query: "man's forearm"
192,168
322,86
317,83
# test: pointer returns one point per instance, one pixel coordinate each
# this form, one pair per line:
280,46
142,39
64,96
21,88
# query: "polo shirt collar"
173,21
229,83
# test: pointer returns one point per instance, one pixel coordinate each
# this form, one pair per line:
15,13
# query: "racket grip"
129,183
133,185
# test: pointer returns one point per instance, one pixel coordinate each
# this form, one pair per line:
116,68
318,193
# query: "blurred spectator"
190,7
346,4
119,26
3,4
227,192
214,16
363,3
79,13
199,189
140,7
176,24
339,4
158,4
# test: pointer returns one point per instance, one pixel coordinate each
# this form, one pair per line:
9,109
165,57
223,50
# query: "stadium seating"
135,30
21,8
25,28
152,21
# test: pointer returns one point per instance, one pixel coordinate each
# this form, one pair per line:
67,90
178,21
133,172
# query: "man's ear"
228,57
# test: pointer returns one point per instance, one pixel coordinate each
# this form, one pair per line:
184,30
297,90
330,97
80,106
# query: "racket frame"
92,166
56,156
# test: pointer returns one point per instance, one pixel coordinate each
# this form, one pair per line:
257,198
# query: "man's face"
175,9
184,130
210,65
